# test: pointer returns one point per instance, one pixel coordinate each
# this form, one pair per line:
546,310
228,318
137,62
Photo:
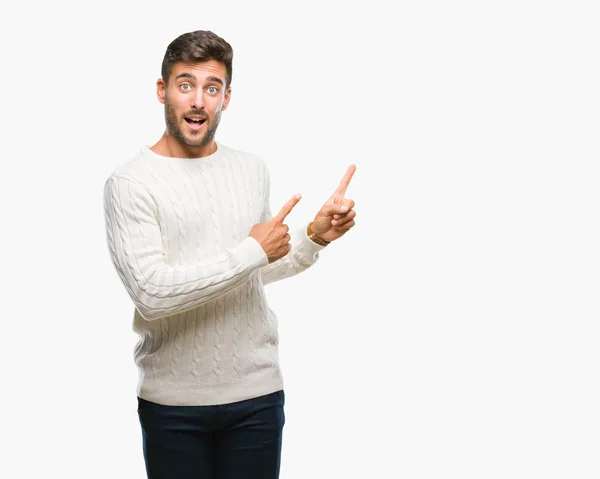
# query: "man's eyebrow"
208,79
215,79
185,75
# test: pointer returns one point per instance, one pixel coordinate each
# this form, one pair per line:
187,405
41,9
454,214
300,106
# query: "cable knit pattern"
177,233
199,339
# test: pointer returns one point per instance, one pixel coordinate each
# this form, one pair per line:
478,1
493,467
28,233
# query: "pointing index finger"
287,208
341,189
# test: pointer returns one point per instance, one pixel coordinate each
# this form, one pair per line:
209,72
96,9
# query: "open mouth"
195,122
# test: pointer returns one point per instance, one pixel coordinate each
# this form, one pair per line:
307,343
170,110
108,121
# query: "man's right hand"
273,235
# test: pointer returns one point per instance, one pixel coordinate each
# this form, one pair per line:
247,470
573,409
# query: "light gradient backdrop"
453,333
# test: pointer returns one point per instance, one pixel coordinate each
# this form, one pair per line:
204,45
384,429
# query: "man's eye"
212,90
185,86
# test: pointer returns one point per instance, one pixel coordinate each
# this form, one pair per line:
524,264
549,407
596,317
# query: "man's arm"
304,252
333,220
136,249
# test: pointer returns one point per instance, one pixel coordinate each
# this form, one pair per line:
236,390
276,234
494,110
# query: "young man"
190,233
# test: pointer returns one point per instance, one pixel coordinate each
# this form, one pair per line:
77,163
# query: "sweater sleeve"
136,249
304,252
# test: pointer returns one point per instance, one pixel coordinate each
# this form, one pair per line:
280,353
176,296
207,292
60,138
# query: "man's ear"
227,98
161,90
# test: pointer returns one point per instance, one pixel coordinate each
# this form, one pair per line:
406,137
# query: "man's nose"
198,100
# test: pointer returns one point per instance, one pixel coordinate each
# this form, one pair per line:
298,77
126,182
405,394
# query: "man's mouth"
195,122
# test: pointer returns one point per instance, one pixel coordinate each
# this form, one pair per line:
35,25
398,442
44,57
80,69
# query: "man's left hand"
332,220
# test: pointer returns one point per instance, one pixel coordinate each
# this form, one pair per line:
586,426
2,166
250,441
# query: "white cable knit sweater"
177,232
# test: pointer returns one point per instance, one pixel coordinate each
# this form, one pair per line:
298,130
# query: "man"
192,238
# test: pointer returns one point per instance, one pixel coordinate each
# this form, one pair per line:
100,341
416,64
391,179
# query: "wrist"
314,238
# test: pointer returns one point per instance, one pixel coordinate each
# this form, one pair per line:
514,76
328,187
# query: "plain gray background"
453,333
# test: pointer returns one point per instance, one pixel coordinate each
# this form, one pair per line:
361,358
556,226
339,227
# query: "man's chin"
195,141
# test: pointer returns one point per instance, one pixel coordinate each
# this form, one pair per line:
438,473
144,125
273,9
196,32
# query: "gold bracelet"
314,237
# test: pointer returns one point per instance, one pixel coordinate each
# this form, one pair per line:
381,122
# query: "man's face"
194,98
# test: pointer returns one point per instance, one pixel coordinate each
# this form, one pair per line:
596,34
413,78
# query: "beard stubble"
173,127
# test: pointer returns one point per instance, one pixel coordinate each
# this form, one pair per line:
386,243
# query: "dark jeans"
229,441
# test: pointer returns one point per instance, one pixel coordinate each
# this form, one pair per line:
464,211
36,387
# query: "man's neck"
168,146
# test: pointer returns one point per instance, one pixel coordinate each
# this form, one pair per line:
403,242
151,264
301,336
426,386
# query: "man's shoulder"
243,155
131,167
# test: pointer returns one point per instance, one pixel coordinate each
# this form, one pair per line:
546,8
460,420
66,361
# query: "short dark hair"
198,46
